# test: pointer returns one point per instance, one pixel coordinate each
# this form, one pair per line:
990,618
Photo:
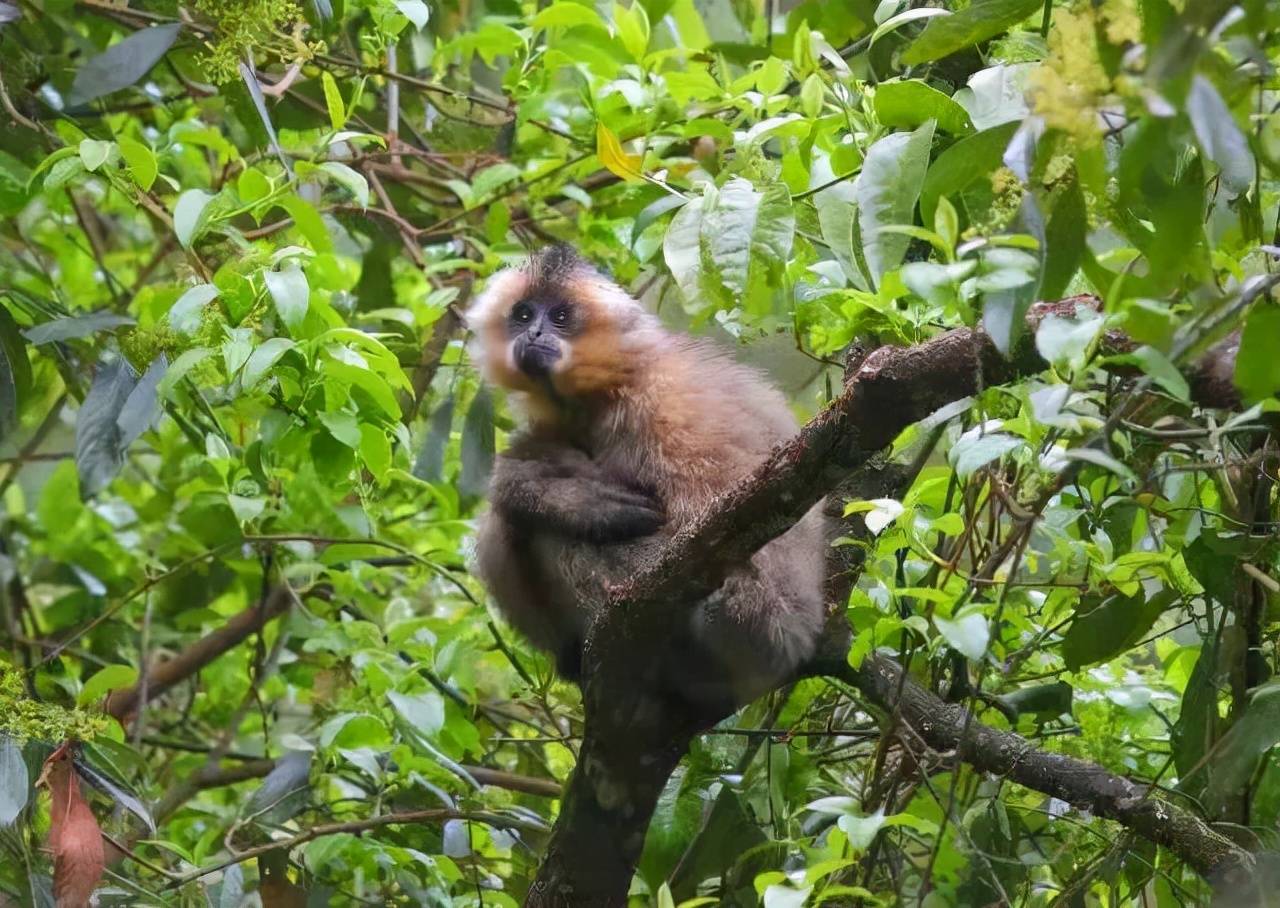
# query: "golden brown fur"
654,411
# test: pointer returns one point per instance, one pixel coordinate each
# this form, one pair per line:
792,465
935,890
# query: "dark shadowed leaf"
15,371
969,160
1219,136
98,455
429,466
116,792
1064,239
230,891
142,408
284,792
74,326
1111,628
653,211
260,104
15,781
122,64
477,445
981,20
1236,756
1198,720
1044,701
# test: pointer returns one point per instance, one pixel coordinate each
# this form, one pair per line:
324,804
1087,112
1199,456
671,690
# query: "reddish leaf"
74,837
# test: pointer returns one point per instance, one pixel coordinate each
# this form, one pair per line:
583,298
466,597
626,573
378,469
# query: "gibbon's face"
540,328
557,328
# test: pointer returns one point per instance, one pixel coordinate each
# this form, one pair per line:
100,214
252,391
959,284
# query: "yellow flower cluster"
1072,84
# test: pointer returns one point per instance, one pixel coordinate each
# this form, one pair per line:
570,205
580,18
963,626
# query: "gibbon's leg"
560,491
765,620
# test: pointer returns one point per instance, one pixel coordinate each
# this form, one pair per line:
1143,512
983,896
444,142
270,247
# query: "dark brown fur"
633,421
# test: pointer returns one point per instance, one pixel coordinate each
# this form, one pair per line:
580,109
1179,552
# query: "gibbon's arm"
559,490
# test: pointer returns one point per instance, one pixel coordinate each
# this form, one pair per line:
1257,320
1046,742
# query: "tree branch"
237,629
633,737
1086,786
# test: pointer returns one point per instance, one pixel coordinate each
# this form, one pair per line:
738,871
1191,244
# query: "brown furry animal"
631,432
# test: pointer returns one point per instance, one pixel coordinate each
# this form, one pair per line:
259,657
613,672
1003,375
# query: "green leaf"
416,11
911,103
333,101
141,408
424,713
140,160
1158,366
886,191
567,14
976,448
1219,136
308,222
344,427
291,295
1112,627
263,358
349,179
744,234
105,680
75,326
911,15
963,165
1066,342
122,64
186,315
968,635
181,366
15,781
633,28
188,215
252,186
375,451
1257,372
653,211
95,152
980,20
681,247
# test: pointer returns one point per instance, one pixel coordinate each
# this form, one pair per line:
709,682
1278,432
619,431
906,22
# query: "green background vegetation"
234,237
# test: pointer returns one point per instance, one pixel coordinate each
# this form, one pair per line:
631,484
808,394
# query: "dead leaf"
75,839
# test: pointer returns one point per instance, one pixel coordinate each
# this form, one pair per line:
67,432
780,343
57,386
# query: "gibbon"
630,433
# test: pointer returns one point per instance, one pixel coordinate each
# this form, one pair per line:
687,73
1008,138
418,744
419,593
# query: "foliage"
234,238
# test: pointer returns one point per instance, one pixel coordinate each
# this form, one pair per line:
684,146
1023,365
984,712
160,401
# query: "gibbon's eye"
522,312
560,316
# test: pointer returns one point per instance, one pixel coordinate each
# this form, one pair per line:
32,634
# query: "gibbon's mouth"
536,357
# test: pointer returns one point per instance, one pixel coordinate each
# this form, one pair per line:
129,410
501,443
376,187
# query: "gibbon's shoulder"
708,379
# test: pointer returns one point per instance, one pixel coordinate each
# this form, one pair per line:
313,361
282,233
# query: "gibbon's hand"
569,495
618,513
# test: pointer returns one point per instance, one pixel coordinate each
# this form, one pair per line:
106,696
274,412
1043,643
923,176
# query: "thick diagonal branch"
630,747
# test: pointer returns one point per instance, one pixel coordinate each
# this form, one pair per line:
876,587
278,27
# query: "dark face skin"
536,326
